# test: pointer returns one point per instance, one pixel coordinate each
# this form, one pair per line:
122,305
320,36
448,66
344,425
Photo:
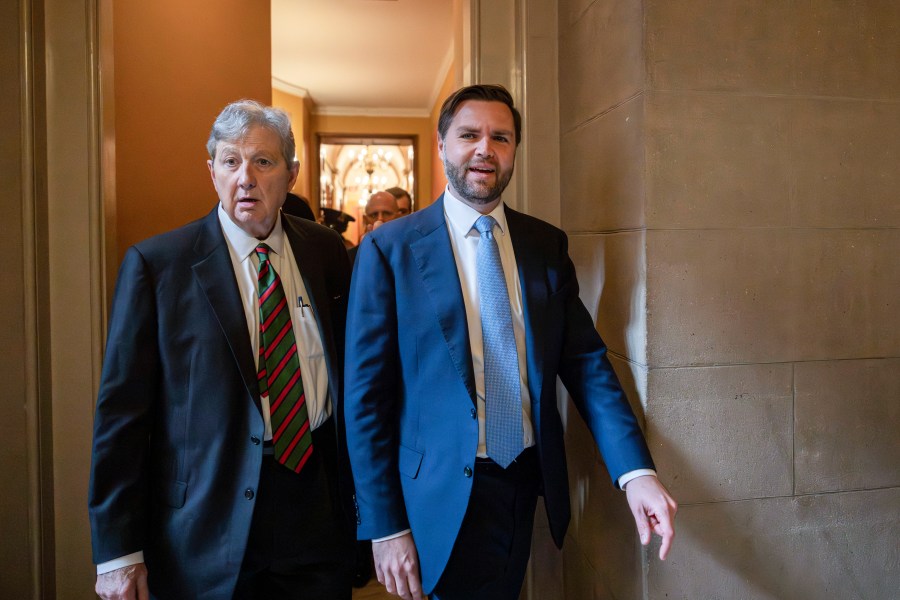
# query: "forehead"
380,203
255,139
482,113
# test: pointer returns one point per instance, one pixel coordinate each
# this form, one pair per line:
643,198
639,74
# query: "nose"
484,148
246,177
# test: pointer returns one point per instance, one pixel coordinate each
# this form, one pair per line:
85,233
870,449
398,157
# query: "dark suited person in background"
219,463
461,317
297,206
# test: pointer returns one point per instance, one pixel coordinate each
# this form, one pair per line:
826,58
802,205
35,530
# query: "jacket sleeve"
372,395
118,489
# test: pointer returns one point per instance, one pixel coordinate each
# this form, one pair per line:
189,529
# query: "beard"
475,193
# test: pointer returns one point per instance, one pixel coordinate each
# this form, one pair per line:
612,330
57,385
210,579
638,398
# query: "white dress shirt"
310,352
465,238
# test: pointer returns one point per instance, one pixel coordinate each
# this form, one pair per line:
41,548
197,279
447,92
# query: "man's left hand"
654,511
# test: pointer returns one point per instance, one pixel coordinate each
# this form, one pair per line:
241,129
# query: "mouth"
482,169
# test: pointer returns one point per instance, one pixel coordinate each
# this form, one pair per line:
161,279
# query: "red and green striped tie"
279,370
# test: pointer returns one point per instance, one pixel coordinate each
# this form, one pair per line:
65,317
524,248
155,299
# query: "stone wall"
729,179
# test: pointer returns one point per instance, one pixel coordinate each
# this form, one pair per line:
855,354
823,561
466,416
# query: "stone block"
771,295
722,433
720,297
572,10
846,49
602,172
847,424
844,161
612,279
794,47
825,546
720,45
601,61
845,289
717,161
602,552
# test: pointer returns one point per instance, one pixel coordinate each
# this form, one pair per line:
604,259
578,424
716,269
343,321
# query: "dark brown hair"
483,92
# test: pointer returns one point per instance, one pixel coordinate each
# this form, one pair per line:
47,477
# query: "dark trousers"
299,546
491,552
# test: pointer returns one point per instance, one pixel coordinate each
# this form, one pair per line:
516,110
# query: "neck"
482,207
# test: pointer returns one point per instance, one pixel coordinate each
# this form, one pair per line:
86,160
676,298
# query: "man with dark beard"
461,317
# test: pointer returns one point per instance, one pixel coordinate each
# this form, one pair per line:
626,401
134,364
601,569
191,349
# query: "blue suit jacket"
410,388
178,421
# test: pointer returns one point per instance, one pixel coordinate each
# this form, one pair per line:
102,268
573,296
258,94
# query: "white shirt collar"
245,244
462,217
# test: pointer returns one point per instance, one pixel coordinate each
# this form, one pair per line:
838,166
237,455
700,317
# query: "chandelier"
376,164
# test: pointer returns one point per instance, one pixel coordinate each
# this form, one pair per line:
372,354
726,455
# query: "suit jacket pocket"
410,461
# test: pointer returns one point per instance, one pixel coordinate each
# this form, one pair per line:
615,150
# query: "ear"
295,172
212,171
440,145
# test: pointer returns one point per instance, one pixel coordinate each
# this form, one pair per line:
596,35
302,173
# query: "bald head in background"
380,208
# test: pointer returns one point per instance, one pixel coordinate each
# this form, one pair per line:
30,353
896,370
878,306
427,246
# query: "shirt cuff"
391,537
624,479
123,561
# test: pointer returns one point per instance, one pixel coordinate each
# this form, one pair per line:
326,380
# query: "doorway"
352,168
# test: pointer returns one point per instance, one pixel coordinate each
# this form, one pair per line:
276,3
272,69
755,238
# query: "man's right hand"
397,567
127,583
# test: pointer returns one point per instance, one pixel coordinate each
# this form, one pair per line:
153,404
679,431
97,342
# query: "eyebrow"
468,129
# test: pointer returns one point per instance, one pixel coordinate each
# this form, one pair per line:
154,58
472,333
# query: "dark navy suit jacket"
177,453
410,387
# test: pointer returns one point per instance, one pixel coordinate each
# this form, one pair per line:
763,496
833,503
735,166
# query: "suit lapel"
215,274
532,278
437,266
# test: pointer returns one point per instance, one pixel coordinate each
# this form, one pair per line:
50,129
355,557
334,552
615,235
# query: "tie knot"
262,252
485,224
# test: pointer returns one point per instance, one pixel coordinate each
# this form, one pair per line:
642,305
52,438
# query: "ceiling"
372,57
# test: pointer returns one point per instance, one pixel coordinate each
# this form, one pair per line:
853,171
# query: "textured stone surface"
771,295
590,82
848,425
717,161
848,290
601,553
711,293
847,49
602,172
612,278
739,161
845,159
722,433
805,548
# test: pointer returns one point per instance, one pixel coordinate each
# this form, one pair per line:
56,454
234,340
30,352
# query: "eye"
265,162
468,136
501,138
229,161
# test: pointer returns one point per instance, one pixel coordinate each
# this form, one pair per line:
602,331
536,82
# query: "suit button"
474,413
468,471
254,440
248,494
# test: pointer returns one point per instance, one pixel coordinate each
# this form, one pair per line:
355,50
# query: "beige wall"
177,64
729,178
299,109
438,178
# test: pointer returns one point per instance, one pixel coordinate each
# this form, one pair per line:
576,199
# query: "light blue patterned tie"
502,396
